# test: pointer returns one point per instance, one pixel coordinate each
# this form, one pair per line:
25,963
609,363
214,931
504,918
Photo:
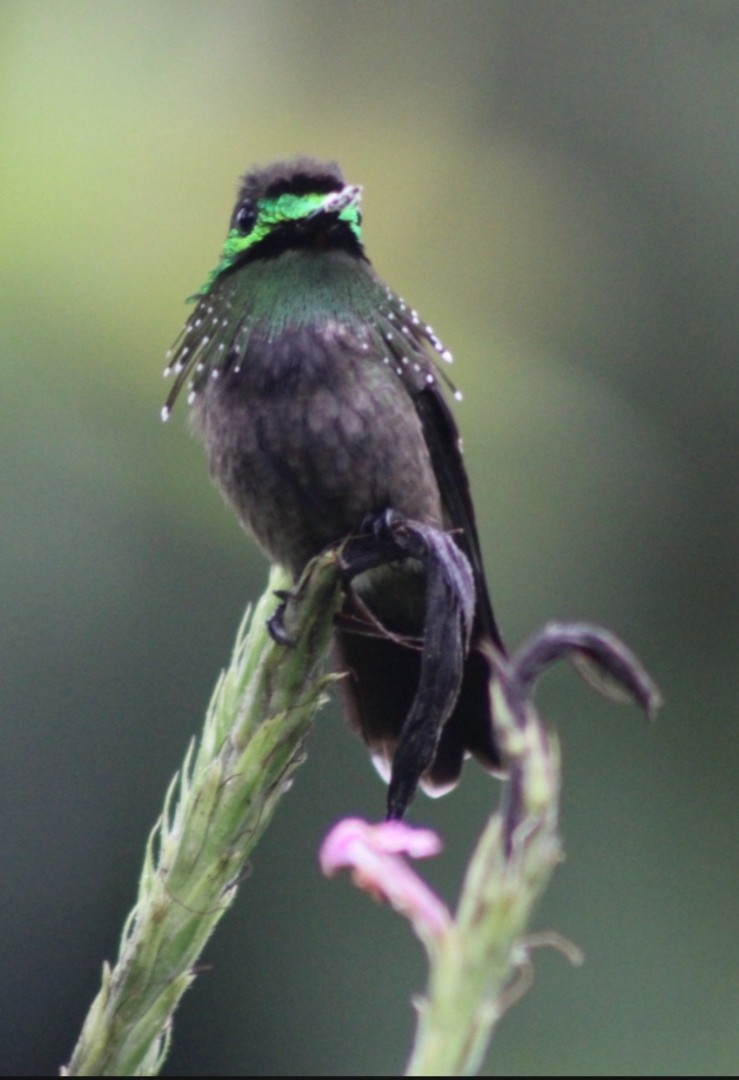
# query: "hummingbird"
316,391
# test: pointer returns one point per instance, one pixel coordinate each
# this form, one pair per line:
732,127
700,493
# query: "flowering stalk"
215,811
479,959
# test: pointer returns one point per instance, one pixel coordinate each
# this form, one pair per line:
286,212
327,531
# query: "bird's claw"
276,623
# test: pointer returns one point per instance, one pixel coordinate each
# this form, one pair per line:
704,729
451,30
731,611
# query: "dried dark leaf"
599,657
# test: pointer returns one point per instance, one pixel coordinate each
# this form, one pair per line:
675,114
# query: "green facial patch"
275,213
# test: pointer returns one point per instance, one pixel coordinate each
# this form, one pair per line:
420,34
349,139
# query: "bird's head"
300,203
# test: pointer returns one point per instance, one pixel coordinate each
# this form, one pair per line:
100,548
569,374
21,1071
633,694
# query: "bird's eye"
245,220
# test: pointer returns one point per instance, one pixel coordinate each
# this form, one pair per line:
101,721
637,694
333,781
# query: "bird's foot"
376,544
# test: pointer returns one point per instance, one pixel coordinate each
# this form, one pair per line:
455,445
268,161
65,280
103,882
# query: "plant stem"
474,965
217,807
480,964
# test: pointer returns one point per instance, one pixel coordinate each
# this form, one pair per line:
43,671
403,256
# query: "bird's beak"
339,200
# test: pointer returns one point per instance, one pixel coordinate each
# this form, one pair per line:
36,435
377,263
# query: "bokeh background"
553,183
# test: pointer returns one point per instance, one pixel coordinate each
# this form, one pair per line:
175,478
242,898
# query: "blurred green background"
553,183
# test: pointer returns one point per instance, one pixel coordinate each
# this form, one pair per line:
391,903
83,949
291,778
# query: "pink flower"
373,852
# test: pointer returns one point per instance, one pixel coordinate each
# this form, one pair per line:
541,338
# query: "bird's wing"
442,438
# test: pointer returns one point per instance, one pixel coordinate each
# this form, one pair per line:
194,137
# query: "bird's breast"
312,435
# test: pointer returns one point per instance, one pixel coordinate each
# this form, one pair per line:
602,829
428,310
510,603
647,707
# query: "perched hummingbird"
315,391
